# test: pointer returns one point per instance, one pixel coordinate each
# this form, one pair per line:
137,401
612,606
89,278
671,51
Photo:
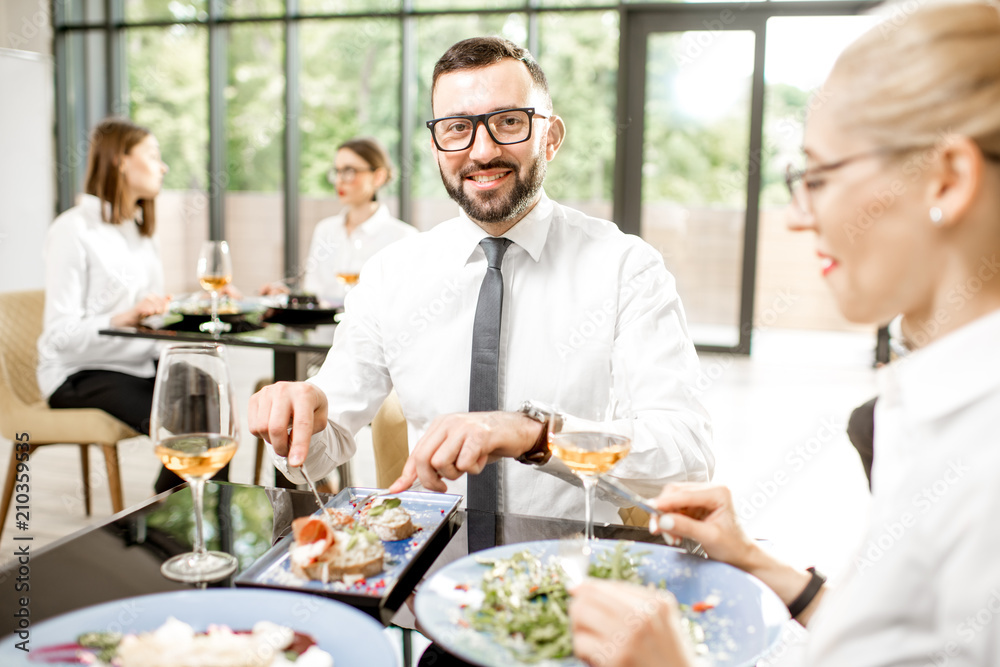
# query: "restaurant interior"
681,120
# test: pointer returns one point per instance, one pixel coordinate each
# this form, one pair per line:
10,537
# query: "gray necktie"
484,385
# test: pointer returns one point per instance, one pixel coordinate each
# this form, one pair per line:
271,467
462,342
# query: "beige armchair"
23,410
389,441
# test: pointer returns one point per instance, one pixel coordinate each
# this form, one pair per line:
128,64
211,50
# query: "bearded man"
487,322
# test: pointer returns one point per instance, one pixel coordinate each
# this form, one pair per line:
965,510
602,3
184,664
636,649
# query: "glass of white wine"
594,435
215,271
351,259
195,430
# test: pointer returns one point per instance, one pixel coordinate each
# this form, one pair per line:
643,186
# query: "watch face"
537,411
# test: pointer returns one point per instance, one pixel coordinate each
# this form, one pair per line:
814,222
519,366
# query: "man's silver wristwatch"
540,453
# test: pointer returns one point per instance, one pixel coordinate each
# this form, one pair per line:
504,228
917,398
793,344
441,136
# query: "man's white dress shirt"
94,270
330,248
575,290
924,587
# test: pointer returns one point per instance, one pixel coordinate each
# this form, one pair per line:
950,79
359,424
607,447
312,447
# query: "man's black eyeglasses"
505,127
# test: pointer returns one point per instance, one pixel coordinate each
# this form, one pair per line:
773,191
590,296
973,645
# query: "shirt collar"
947,375
372,225
529,233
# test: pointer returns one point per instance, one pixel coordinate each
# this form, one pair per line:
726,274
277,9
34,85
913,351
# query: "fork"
370,497
319,501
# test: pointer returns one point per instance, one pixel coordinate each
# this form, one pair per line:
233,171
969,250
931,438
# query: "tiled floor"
779,438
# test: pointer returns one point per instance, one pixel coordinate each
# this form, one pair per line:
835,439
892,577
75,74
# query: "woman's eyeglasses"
345,174
798,184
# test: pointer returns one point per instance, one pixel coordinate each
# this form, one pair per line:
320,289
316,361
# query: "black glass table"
285,341
121,557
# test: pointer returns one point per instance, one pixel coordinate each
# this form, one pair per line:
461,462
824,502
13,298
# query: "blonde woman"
902,190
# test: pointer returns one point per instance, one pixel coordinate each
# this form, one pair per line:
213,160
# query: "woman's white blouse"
924,586
94,270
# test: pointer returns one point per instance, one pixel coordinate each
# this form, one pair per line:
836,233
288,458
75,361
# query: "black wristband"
799,604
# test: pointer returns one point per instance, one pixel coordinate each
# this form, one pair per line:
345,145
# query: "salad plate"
349,636
739,616
406,561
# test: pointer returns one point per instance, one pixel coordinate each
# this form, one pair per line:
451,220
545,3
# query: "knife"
623,492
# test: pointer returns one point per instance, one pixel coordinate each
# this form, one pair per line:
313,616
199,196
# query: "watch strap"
799,604
540,452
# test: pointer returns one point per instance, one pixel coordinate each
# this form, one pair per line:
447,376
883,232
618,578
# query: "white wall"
26,25
27,166
27,140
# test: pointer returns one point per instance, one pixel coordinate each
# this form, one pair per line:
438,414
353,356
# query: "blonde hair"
920,75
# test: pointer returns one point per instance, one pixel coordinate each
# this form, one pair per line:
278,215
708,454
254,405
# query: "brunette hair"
477,52
372,152
111,140
936,73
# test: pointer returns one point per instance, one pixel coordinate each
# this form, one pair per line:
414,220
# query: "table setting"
335,569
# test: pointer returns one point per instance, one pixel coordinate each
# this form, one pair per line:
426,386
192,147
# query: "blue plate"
405,560
352,638
744,625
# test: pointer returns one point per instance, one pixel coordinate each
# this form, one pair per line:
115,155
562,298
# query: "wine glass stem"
197,494
215,310
589,483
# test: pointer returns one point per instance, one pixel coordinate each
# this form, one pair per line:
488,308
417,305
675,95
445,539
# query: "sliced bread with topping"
388,519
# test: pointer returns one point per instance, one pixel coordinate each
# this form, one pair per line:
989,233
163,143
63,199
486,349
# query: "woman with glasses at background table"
342,243
902,189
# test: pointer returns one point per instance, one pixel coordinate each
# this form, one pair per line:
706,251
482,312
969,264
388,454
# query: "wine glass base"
191,568
214,328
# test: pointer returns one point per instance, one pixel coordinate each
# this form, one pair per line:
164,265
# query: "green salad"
526,602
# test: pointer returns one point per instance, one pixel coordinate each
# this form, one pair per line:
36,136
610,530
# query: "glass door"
690,186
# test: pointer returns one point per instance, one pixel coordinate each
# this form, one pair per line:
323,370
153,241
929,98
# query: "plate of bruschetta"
366,551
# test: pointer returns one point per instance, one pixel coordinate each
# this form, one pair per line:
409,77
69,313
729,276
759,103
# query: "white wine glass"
194,428
351,259
215,271
596,433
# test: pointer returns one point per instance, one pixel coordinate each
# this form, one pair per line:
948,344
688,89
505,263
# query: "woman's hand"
624,625
272,289
151,304
705,513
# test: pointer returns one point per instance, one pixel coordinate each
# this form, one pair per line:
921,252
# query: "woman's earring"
937,216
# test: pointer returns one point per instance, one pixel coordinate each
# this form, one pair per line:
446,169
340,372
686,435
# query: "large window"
250,98
168,93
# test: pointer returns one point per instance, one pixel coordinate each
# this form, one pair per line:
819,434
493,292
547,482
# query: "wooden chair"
389,441
23,410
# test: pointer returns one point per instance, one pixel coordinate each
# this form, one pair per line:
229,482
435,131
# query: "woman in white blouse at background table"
342,243
103,268
902,189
